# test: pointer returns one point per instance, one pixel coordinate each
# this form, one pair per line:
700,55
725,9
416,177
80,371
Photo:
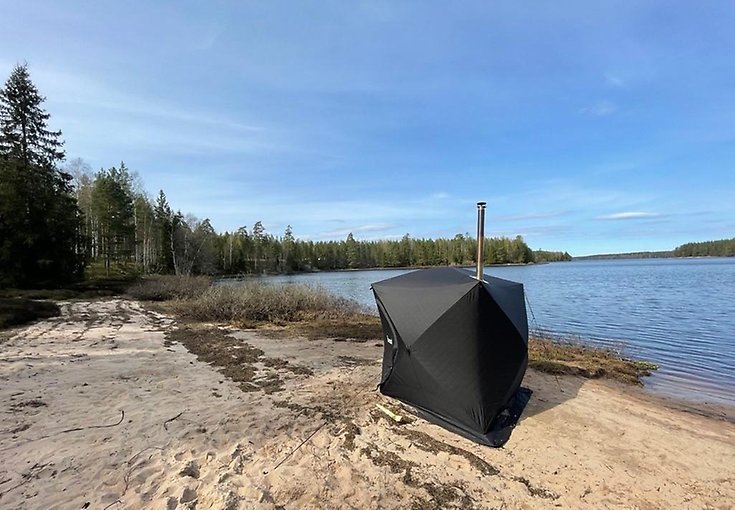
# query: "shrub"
168,287
262,302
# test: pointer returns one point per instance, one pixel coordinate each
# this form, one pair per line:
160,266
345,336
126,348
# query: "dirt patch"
351,361
351,431
283,364
354,328
393,461
540,492
234,358
307,410
431,445
441,495
20,428
269,383
28,403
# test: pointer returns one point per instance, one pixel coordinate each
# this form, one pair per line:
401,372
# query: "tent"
455,349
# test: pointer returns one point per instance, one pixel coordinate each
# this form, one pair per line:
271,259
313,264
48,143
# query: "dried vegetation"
312,312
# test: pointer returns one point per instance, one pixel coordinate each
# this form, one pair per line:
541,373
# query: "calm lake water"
678,313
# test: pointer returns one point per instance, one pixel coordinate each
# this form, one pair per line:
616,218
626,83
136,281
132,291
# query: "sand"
97,411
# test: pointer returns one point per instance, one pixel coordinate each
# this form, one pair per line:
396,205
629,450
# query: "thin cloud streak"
629,215
377,227
600,109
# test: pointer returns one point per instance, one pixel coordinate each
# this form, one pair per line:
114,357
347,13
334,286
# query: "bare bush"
262,302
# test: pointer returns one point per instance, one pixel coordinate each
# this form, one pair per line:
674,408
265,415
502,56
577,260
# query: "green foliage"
24,134
721,248
629,255
112,208
551,256
40,241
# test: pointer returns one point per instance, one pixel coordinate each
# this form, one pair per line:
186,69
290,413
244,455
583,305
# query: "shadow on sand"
549,391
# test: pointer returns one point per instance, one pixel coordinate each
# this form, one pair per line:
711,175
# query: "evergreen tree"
24,134
352,252
259,238
290,257
113,208
40,232
163,219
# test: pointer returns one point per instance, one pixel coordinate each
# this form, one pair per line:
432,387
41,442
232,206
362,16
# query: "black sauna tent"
456,349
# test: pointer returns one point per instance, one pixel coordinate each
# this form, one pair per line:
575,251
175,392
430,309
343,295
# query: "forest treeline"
122,226
721,248
56,219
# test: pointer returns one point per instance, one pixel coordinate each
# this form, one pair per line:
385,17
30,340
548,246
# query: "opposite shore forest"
58,219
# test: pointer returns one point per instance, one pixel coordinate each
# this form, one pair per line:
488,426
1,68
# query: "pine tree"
163,218
289,254
24,133
40,234
114,213
352,252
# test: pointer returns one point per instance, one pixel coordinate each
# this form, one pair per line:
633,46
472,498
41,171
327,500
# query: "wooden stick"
395,417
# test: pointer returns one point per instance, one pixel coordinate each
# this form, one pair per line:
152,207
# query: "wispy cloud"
371,227
629,215
530,216
615,81
600,109
81,91
440,196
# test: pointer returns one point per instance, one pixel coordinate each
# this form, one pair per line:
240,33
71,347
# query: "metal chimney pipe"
480,239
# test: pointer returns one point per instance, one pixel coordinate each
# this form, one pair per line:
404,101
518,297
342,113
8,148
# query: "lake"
678,313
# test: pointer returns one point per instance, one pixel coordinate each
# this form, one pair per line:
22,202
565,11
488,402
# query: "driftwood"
393,416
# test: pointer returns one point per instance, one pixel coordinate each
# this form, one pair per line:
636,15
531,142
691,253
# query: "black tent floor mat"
500,430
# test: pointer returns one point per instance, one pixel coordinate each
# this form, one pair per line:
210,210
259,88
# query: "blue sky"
587,126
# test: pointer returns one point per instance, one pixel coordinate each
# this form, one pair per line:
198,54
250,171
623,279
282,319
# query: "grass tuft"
566,356
254,302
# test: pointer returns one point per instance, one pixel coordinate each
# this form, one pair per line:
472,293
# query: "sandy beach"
100,410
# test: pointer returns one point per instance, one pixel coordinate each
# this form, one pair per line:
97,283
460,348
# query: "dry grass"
359,327
312,312
168,287
257,302
571,357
